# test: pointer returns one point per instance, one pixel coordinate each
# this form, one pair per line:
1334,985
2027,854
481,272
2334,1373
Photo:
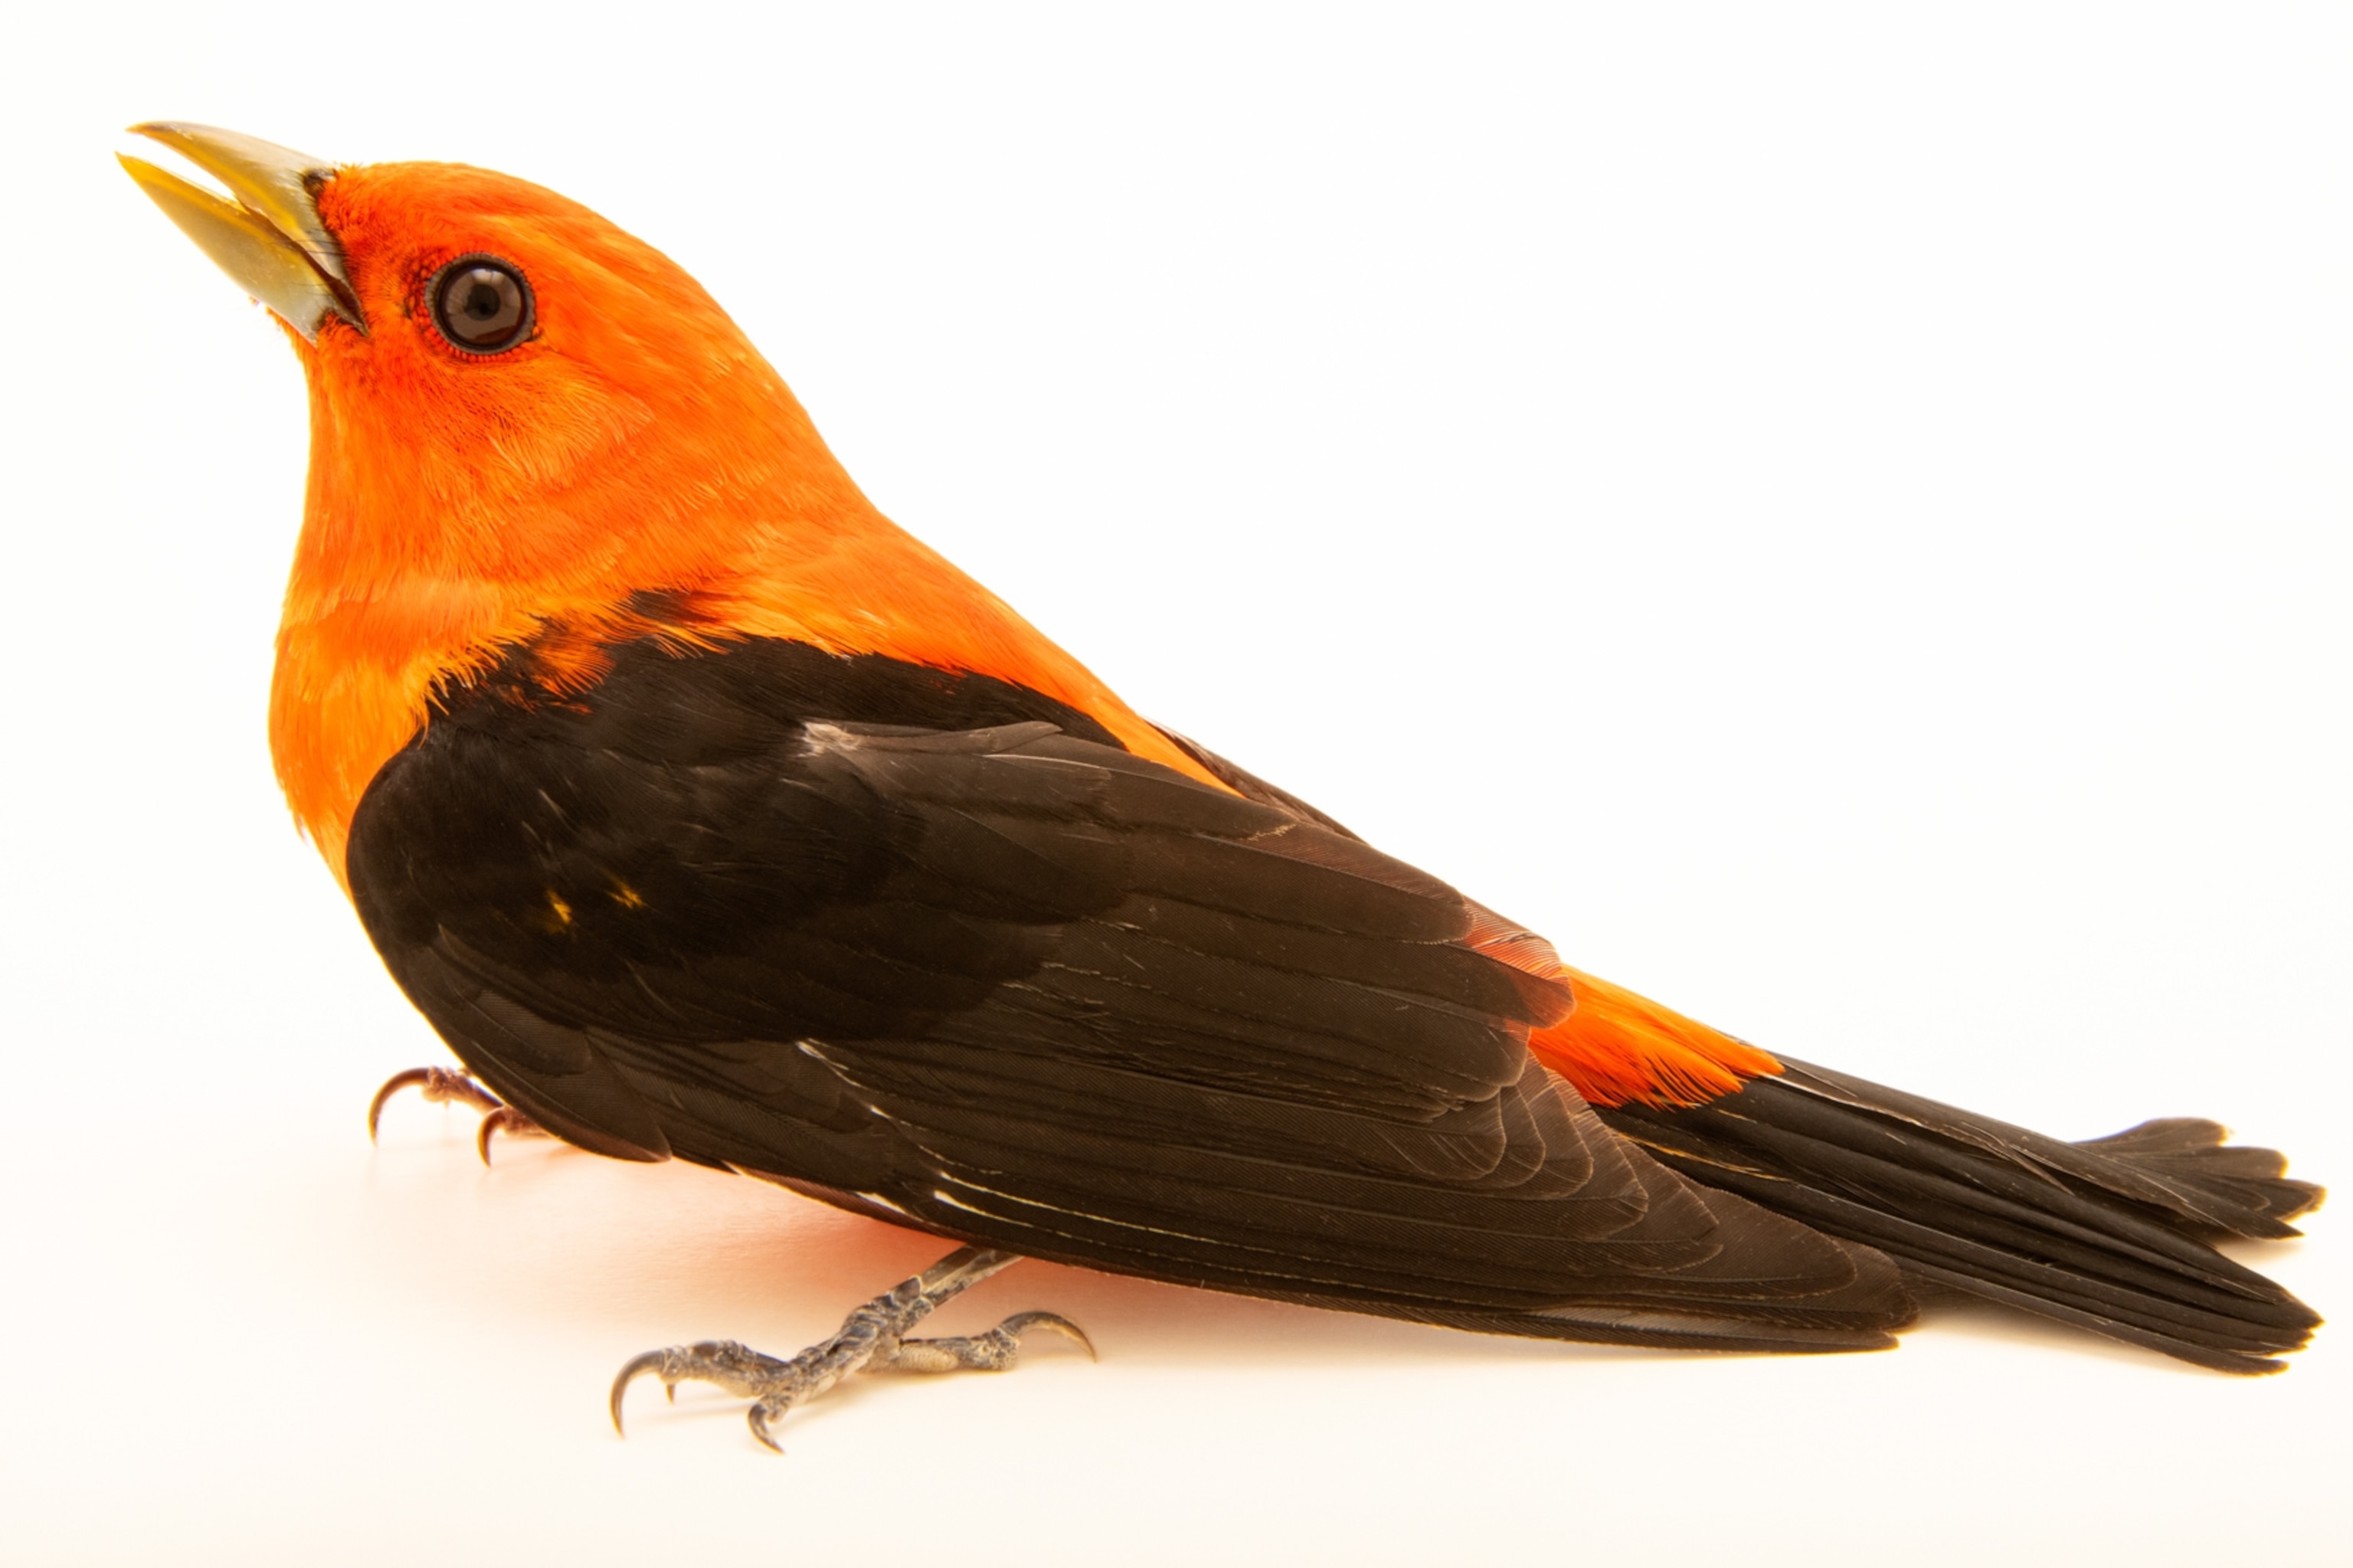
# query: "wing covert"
1016,985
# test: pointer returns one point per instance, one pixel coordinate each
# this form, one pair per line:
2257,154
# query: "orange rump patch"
1615,1046
1619,1046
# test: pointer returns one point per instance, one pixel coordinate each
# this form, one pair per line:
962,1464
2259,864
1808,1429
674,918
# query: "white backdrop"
1839,516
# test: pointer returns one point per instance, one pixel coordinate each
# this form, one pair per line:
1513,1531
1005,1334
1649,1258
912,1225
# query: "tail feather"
2110,1235
2155,1177
2188,1153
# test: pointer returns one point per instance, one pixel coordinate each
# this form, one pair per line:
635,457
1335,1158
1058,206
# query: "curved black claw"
437,1085
757,1419
506,1120
631,1371
1021,1323
445,1086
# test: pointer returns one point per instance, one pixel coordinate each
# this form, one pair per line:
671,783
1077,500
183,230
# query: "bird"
707,814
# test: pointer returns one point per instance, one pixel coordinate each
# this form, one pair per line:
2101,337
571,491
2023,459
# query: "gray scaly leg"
871,1338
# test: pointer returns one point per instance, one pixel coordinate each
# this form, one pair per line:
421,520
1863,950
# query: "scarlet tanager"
708,815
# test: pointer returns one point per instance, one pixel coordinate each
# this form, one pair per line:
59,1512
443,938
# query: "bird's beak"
270,238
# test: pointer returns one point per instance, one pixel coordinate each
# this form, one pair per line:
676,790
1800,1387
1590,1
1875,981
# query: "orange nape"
1619,1046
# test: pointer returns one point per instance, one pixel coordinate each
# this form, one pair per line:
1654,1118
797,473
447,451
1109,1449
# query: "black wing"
934,947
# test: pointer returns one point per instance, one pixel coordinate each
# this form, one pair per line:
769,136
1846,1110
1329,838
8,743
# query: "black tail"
2109,1235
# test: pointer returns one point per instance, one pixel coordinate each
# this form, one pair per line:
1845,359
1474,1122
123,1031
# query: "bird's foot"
871,1338
442,1084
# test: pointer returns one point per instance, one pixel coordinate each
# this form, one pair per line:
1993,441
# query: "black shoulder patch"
653,698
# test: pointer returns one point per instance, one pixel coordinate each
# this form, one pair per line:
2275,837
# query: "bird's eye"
480,303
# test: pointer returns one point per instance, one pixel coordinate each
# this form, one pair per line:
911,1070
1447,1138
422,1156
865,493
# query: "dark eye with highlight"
480,303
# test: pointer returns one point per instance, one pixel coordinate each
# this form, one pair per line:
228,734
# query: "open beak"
270,238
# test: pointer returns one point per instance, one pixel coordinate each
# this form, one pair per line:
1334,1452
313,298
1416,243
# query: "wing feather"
1021,987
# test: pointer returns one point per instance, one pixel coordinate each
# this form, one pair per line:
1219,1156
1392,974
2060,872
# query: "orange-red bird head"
594,419
525,421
